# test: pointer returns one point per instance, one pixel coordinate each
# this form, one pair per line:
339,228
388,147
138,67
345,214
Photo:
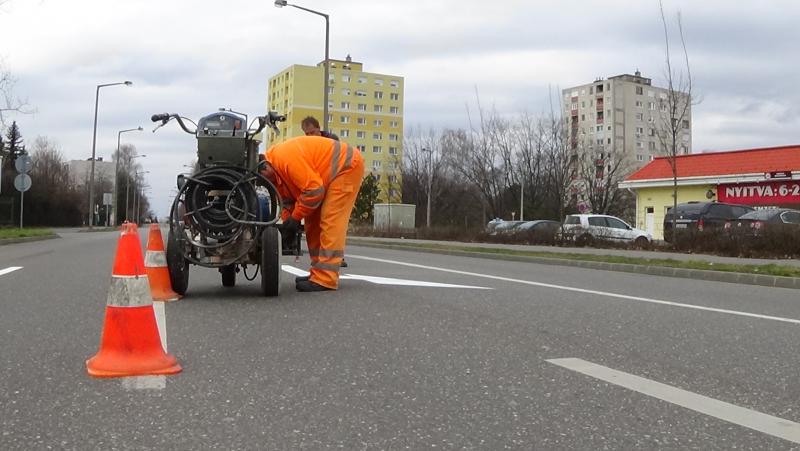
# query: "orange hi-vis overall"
318,179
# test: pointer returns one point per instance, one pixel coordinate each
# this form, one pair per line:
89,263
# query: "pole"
521,200
327,82
91,175
430,178
116,179
127,190
21,206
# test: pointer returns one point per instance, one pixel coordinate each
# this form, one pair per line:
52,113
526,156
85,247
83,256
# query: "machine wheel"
642,242
270,261
177,265
228,275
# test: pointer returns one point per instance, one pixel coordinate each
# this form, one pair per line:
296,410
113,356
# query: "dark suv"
700,216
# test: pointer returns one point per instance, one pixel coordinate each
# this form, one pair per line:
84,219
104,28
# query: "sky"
193,57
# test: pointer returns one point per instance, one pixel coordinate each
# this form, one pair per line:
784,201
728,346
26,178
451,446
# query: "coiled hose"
217,205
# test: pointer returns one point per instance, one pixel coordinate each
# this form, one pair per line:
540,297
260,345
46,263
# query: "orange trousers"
326,227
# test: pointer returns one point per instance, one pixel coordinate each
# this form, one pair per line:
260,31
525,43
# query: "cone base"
160,285
95,369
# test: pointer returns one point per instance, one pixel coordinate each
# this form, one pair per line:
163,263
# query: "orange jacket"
305,166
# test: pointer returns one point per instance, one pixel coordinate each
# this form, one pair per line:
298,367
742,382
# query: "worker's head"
310,126
265,168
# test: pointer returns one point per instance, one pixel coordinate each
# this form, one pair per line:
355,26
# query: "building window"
362,80
345,92
685,124
639,116
583,117
361,134
652,157
376,164
361,93
378,82
344,133
361,121
378,94
639,157
377,108
345,105
639,90
639,131
377,177
377,122
393,124
651,106
394,83
651,145
393,151
599,128
394,96
393,137
361,147
346,78
684,150
330,90
394,110
362,107
345,119
377,135
639,104
639,145
376,149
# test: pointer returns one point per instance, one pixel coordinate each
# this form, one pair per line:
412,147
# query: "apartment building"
622,114
364,108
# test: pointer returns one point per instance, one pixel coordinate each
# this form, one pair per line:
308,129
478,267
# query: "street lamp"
139,204
128,183
430,178
135,196
282,3
94,142
116,170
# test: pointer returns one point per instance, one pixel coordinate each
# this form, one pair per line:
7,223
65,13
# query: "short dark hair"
310,120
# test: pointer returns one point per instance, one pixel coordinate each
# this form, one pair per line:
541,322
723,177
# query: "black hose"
216,206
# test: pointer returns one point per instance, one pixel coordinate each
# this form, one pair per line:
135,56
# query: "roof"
750,161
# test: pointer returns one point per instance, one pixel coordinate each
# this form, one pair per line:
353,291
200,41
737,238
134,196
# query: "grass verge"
768,270
11,232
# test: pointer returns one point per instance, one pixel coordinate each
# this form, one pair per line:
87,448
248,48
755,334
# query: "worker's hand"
290,227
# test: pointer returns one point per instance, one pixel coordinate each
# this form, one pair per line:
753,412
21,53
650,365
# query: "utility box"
395,216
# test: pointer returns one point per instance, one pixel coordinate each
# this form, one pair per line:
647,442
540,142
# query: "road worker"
318,178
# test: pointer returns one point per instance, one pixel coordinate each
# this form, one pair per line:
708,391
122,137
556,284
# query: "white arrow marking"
9,270
387,280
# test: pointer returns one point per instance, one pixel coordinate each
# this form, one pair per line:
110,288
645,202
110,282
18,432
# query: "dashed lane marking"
9,270
752,419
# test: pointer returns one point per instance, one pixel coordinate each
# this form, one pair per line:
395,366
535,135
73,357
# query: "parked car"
700,216
584,229
505,227
755,222
539,225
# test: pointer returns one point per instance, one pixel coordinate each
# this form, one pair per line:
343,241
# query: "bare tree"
600,171
675,107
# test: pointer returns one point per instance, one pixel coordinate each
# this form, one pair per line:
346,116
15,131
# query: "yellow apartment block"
365,109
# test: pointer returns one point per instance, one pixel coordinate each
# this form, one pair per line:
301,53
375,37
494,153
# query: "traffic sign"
24,163
22,182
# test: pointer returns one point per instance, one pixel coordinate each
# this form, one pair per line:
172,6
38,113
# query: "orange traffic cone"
155,263
130,344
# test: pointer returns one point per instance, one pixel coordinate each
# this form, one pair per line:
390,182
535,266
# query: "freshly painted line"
144,382
777,427
9,270
387,280
161,322
582,290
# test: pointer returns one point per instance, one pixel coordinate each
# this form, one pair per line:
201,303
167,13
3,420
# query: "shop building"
762,178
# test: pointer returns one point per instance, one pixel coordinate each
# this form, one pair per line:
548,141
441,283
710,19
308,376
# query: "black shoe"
344,264
308,285
299,279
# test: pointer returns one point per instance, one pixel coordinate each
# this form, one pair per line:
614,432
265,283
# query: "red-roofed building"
756,177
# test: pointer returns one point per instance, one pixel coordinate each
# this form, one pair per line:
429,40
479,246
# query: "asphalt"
395,367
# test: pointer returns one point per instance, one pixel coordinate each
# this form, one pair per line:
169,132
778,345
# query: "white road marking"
777,427
387,280
582,290
9,270
161,322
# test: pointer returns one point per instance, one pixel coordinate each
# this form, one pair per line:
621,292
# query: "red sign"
764,193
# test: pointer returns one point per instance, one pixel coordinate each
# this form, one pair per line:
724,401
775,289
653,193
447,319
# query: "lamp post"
94,143
116,170
282,3
430,178
128,184
139,204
